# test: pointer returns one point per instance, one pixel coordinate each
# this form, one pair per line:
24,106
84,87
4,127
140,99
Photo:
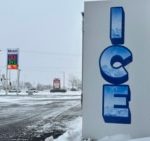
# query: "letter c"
110,56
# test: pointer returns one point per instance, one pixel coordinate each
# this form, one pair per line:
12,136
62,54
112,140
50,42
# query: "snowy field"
37,117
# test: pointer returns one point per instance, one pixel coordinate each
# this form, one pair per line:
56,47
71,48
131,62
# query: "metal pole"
18,78
6,88
64,80
9,76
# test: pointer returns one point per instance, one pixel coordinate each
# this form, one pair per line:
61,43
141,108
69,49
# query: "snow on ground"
142,139
37,116
122,138
44,112
74,133
116,138
46,92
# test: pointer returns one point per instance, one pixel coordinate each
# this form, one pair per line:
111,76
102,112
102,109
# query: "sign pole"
18,77
18,74
63,80
12,64
6,87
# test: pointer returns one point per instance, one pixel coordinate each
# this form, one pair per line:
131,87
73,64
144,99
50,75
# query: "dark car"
14,91
32,90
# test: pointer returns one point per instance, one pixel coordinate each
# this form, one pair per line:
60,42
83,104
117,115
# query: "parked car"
32,90
14,91
58,90
73,89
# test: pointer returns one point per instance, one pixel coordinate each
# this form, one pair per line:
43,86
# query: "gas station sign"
12,58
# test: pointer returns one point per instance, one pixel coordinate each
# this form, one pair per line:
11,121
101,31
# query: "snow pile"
49,139
73,133
116,138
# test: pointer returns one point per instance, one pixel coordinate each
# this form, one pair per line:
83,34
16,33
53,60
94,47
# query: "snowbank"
73,133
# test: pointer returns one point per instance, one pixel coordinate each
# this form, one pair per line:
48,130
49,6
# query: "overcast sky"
48,34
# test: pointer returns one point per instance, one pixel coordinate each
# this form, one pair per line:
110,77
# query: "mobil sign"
116,68
12,59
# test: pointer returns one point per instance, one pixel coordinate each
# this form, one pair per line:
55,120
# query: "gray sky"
48,34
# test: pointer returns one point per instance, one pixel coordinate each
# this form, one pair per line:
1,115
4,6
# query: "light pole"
64,80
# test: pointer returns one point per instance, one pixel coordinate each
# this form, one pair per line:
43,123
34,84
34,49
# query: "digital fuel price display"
12,59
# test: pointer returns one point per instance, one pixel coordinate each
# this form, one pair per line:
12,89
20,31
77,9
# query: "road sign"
56,83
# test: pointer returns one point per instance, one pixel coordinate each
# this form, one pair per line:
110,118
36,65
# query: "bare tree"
28,85
75,82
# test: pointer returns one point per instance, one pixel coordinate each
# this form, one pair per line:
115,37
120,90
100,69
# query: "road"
33,118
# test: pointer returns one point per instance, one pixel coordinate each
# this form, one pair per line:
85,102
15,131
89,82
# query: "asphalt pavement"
34,118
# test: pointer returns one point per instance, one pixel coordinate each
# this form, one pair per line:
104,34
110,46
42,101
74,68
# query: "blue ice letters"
112,62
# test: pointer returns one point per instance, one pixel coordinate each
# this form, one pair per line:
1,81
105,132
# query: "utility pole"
64,80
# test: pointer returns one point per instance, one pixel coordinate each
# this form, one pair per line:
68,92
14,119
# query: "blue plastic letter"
110,56
117,20
116,104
